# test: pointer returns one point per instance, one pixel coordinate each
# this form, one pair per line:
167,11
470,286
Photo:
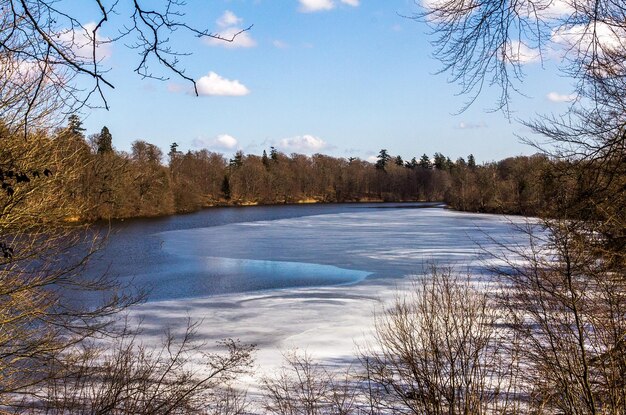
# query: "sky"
340,77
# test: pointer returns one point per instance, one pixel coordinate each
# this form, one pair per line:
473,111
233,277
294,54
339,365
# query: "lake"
306,276
236,250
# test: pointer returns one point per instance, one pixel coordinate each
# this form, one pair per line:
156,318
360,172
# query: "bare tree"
442,349
568,308
306,387
46,51
178,378
488,42
568,293
43,252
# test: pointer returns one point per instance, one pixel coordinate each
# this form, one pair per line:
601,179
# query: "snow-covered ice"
308,282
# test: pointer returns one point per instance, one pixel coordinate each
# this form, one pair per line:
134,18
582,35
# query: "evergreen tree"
399,161
105,141
383,159
237,160
273,154
265,159
173,152
412,164
173,148
449,164
425,162
440,161
471,162
75,126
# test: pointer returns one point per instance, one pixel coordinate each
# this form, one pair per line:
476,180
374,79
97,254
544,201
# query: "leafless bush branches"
132,378
568,307
306,387
443,349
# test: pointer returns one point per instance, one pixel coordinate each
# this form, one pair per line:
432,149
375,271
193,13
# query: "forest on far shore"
111,184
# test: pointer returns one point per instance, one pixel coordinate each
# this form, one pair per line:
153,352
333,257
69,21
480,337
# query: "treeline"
121,185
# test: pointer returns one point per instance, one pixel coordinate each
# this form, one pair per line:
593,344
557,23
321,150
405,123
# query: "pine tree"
265,159
273,154
440,161
471,162
449,164
105,141
383,159
237,160
425,162
75,126
173,152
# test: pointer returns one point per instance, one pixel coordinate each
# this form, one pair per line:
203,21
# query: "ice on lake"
307,277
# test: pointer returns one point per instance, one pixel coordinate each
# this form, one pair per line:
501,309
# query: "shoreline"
104,221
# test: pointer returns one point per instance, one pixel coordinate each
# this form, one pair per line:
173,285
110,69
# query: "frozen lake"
283,277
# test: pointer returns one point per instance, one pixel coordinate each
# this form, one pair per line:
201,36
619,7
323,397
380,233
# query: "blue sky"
340,77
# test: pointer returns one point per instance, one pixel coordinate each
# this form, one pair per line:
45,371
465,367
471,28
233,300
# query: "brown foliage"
44,252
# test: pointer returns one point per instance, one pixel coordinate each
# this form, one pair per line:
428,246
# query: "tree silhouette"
425,162
471,161
383,159
105,141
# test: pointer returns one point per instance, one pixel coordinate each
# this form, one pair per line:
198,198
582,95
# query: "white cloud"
221,142
520,53
372,159
544,9
214,85
441,9
21,73
21,69
582,36
229,25
601,39
556,97
229,19
225,141
556,8
303,144
81,41
310,6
